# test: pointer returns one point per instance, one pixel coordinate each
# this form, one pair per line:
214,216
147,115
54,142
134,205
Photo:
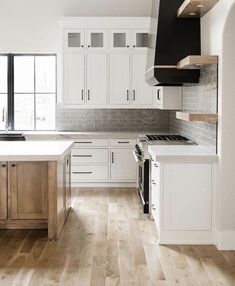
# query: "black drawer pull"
4,165
82,156
123,142
86,173
88,142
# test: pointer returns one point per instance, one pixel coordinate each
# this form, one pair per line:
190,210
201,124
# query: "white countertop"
36,135
34,150
181,153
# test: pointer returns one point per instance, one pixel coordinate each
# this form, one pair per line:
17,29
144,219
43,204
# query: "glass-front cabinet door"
140,39
74,40
96,40
119,40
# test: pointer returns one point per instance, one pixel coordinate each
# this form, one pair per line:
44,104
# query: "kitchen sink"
12,137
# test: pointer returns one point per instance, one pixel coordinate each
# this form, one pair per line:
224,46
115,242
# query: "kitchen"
112,235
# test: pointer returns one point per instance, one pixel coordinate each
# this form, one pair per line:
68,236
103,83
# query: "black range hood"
171,40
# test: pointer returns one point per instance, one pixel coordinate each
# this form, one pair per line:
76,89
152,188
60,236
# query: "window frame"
10,88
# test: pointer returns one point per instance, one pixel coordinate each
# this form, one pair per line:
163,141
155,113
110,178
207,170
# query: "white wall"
218,37
33,25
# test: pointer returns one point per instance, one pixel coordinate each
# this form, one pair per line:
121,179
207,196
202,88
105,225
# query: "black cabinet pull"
133,95
82,156
4,165
88,94
82,94
123,142
112,157
127,95
86,173
13,165
88,142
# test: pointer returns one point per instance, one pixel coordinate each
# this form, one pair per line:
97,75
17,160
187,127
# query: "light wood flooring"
108,242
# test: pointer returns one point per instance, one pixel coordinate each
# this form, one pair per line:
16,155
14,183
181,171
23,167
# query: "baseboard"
186,237
103,185
225,240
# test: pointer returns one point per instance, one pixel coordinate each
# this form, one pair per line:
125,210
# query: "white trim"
186,237
225,240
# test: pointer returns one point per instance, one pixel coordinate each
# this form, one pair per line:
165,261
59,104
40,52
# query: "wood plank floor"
108,242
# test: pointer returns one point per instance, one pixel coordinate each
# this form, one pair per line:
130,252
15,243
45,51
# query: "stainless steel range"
142,158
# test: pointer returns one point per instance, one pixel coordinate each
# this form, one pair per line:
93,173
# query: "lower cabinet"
28,190
3,190
181,201
109,162
123,165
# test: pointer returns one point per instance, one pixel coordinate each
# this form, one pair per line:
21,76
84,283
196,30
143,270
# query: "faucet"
5,119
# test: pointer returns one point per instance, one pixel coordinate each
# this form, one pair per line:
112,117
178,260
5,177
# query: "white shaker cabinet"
74,79
142,93
181,202
97,75
74,40
120,79
120,40
123,165
167,97
96,40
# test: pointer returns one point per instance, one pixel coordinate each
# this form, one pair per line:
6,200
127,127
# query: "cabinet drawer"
90,143
80,156
123,142
89,174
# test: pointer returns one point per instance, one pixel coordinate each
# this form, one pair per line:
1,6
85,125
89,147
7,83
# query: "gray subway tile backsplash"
112,120
199,97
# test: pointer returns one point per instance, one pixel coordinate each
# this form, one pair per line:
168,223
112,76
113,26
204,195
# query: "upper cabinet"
96,40
74,40
105,62
140,38
119,40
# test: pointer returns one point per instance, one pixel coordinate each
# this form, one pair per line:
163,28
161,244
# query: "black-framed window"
28,91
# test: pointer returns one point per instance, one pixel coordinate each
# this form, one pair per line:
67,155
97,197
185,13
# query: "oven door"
143,180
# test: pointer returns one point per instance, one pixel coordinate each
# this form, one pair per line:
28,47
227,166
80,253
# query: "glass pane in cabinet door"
45,111
141,40
119,40
45,74
3,74
74,40
24,111
97,40
23,74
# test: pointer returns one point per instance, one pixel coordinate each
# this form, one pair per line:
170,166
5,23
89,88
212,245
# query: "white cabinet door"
74,40
74,79
120,40
97,79
187,197
120,79
142,93
140,39
96,40
123,165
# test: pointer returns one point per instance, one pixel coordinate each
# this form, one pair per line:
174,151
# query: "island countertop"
181,153
34,150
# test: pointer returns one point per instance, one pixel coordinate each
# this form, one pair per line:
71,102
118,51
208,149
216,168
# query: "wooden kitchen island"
35,185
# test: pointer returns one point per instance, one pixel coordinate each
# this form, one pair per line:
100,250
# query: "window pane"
24,111
24,74
119,40
3,74
74,40
3,104
45,67
45,111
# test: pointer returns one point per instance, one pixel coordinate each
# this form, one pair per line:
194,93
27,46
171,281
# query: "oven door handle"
137,159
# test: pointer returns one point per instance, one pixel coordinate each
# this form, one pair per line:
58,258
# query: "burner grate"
165,138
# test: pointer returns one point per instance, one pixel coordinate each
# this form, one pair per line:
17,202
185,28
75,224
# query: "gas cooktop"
166,138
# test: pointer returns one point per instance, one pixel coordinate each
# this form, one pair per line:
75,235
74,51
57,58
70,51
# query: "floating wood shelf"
196,116
195,8
197,62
